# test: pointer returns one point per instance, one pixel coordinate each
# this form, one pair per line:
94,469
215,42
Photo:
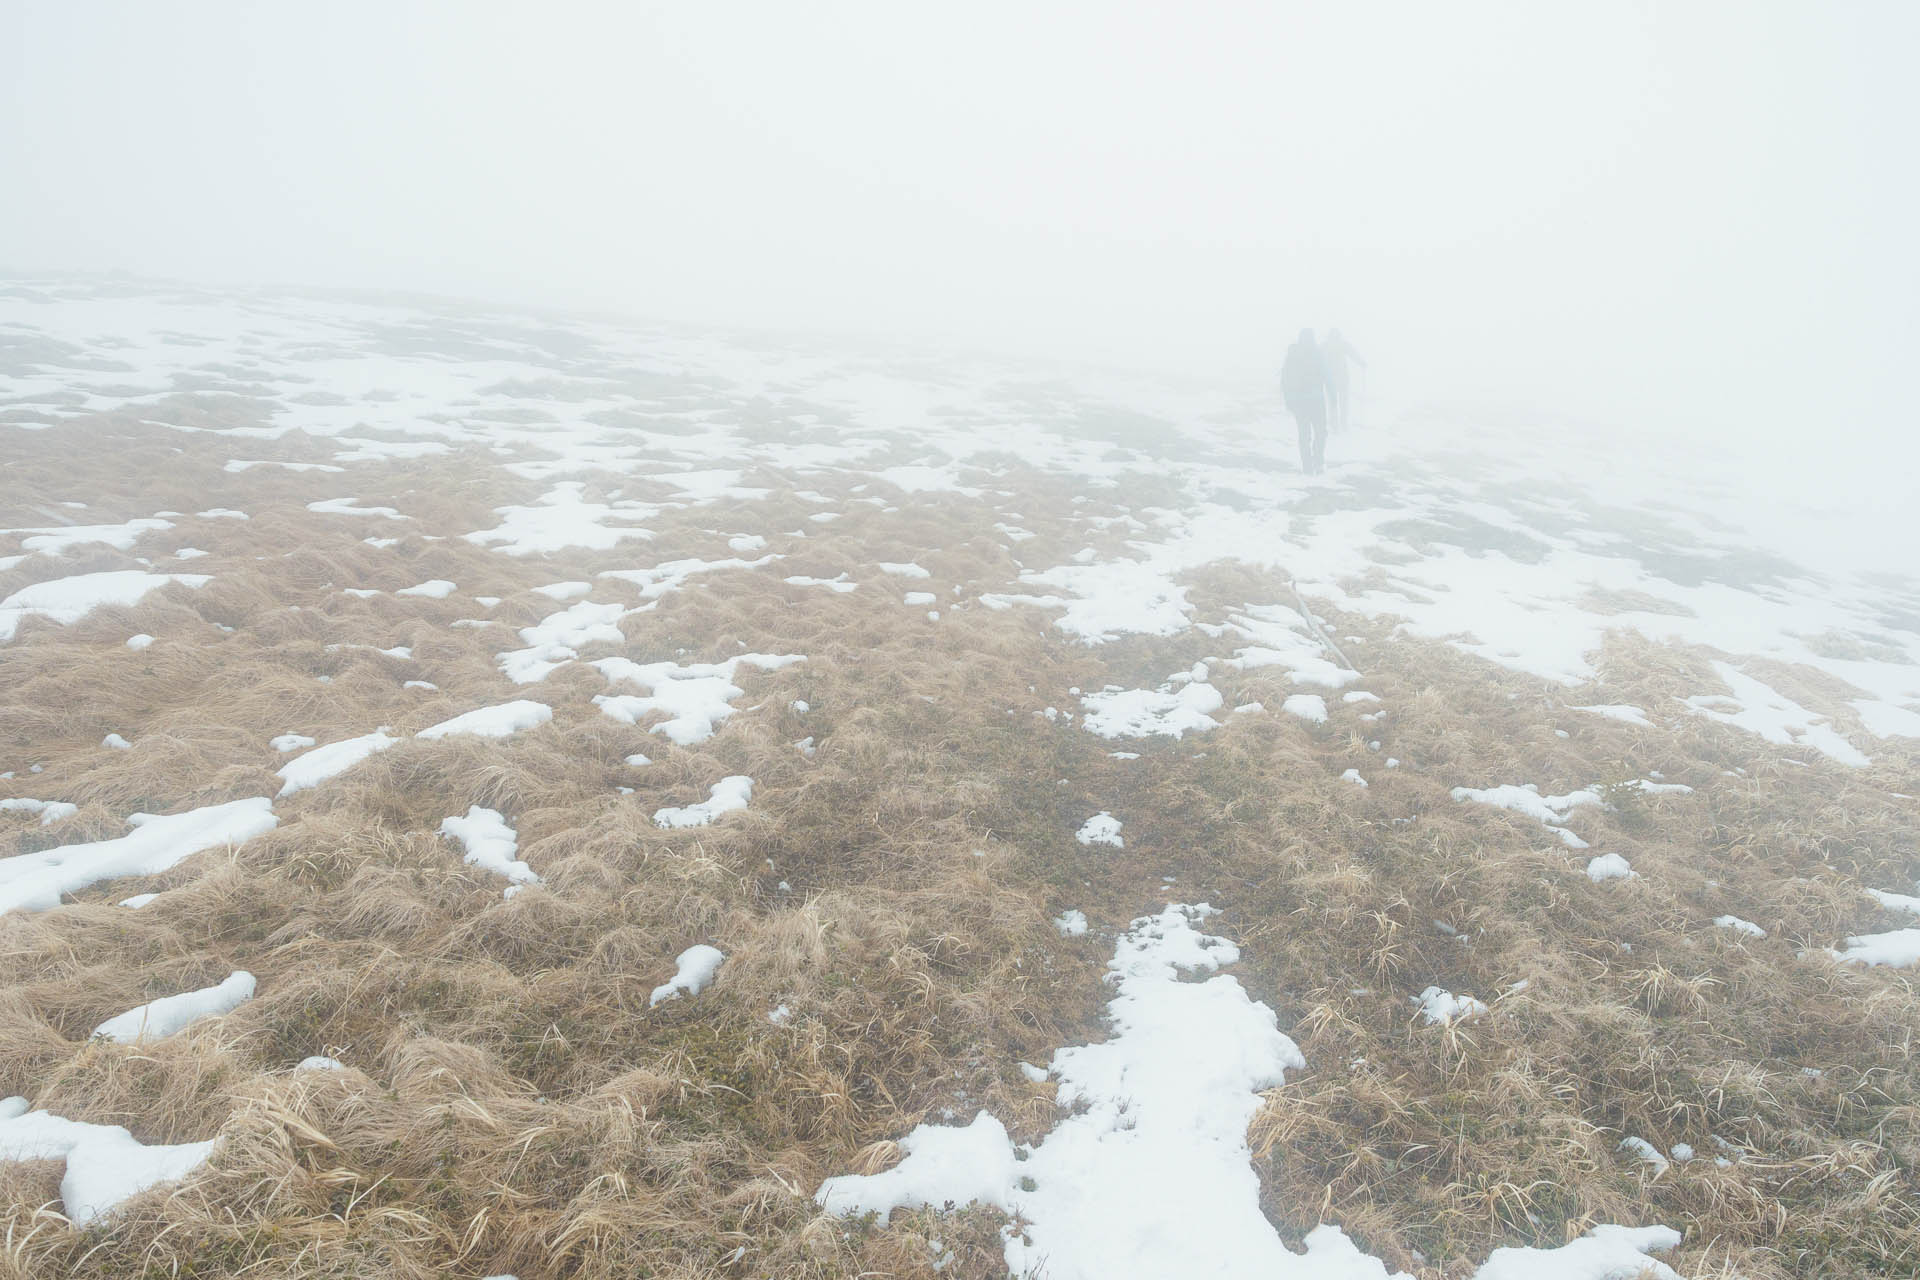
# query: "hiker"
1334,354
1303,385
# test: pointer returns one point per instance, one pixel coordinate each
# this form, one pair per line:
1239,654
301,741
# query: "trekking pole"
1323,637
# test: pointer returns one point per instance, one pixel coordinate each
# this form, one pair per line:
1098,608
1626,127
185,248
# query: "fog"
1695,218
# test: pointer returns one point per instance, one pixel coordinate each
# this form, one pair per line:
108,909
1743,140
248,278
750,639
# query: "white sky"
1696,215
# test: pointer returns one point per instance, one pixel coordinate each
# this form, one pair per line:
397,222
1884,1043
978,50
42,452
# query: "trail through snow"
1147,1172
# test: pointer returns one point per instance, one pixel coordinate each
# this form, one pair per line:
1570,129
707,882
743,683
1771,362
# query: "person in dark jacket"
1334,354
1303,385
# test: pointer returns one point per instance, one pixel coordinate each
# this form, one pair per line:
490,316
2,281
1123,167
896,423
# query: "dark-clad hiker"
1303,385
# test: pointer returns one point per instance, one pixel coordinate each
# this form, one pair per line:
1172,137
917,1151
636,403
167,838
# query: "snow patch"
163,1017
106,1166
1644,1151
561,519
60,539
695,699
945,1167
48,810
1898,948
1141,713
1552,811
673,574
1759,709
564,591
349,507
1607,1252
490,844
1623,712
67,600
837,583
693,973
557,639
315,767
1101,828
726,795
1310,707
1610,866
1106,601
431,589
36,881
1438,1006
499,721
1279,639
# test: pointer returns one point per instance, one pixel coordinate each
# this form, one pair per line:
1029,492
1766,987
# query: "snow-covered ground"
1521,546
1148,1173
1513,548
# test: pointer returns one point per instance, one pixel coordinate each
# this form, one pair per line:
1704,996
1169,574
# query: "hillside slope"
648,804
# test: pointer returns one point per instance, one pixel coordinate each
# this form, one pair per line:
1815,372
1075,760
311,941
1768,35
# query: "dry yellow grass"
513,1104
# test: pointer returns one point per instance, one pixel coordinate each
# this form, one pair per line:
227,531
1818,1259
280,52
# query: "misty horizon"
1679,221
